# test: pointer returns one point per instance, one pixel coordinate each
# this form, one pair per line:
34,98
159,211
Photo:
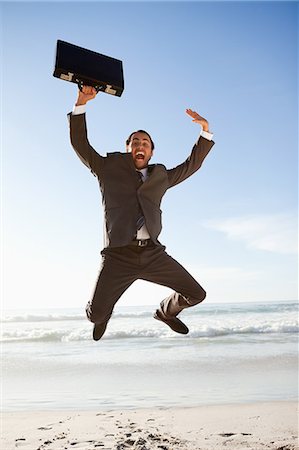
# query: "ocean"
234,353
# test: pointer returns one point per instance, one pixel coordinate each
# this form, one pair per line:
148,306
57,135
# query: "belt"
140,242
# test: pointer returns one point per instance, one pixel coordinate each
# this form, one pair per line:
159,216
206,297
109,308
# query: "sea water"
234,353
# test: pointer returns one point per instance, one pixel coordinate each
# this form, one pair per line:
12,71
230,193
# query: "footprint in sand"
227,434
84,445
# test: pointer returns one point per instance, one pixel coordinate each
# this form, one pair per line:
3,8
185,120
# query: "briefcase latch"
67,77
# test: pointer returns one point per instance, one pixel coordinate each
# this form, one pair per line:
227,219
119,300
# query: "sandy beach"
255,426
232,383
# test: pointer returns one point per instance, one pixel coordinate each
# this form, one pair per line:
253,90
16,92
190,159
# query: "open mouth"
140,155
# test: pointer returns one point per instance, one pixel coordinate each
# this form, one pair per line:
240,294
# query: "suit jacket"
120,185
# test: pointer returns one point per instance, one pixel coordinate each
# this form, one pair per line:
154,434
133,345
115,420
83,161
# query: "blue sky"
233,224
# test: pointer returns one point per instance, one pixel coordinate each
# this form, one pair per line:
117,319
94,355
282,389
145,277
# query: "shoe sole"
94,335
184,329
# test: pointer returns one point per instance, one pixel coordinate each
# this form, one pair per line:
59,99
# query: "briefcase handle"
81,84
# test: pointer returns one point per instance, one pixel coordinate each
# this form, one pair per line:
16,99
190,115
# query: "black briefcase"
85,67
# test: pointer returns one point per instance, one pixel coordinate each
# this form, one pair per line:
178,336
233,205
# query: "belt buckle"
141,243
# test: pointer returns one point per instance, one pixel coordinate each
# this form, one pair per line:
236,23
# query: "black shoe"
98,330
173,322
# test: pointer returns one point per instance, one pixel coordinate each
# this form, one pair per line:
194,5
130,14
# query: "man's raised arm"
198,154
78,132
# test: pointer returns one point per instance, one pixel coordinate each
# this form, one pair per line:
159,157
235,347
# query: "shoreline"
255,426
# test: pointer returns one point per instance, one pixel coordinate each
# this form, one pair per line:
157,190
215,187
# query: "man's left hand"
198,119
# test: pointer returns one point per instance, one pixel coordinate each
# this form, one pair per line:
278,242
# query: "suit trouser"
122,266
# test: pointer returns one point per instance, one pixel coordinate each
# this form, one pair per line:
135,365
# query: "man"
132,190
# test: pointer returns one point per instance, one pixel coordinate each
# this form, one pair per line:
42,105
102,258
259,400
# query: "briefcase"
86,67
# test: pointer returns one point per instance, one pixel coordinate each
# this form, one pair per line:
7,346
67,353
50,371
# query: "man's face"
141,149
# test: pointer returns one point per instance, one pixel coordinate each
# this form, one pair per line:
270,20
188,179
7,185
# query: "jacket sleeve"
192,163
81,145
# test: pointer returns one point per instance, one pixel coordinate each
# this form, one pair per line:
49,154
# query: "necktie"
140,219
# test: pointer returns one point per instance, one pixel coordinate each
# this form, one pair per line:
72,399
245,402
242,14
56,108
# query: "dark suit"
122,194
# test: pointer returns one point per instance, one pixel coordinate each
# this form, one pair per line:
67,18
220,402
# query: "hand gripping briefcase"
85,67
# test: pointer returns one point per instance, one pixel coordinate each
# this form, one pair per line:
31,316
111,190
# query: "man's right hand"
87,93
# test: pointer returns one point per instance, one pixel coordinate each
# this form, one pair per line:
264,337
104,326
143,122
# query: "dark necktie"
140,219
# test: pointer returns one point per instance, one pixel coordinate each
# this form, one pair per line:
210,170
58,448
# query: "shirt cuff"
206,135
81,109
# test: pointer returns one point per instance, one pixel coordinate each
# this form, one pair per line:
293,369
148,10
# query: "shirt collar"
144,172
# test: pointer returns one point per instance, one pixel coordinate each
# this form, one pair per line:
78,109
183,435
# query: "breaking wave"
200,331
205,310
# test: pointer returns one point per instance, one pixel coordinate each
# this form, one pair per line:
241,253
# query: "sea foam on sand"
254,426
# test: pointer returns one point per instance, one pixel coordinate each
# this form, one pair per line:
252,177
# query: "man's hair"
140,131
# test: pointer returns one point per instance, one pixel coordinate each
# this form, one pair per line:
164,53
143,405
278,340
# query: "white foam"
160,331
42,318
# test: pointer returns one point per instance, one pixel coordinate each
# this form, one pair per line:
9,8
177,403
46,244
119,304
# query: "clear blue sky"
233,224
